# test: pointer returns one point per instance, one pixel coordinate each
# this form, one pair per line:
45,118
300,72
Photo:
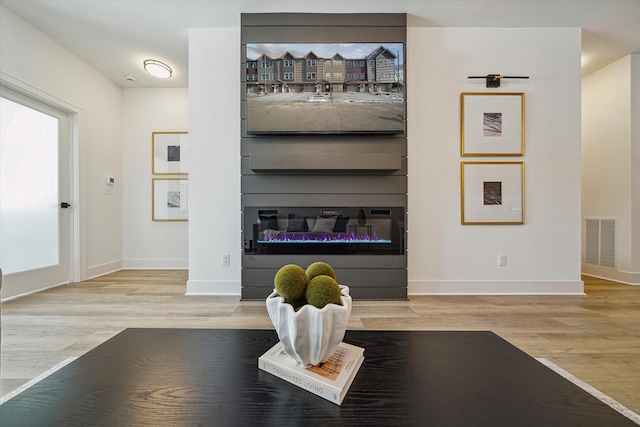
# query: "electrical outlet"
502,260
226,260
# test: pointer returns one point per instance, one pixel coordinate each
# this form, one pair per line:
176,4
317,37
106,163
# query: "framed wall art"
169,199
169,153
492,193
491,124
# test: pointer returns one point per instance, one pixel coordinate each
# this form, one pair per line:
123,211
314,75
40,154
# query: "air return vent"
601,242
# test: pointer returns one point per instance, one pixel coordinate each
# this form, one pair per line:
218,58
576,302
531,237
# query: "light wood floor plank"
595,337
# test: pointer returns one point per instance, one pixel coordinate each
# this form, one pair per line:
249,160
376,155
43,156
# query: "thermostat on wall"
109,180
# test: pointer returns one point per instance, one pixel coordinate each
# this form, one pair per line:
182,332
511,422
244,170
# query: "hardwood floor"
595,337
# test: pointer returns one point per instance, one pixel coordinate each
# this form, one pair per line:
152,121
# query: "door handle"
65,205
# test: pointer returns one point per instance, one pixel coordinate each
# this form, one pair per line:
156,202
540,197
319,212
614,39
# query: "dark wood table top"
198,377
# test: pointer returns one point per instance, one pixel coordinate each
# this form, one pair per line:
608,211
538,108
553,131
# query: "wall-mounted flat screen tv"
325,88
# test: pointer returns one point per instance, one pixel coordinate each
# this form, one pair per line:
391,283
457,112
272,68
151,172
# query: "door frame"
77,270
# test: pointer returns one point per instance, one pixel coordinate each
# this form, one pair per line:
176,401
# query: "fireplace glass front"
317,230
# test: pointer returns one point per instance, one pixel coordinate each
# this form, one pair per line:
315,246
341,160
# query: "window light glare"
157,69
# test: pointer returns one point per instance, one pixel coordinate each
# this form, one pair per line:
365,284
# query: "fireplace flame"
345,238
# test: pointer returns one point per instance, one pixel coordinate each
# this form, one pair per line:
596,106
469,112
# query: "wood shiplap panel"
337,170
338,145
329,200
284,20
319,163
357,184
245,166
331,34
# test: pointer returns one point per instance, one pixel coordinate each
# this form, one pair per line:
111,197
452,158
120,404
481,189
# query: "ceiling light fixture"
157,69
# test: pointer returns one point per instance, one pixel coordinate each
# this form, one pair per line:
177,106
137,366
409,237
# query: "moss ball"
323,290
290,282
319,269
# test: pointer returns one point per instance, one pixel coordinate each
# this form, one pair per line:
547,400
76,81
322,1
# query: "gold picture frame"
169,153
492,193
169,199
492,124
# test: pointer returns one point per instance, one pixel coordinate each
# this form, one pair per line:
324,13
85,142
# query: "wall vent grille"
600,242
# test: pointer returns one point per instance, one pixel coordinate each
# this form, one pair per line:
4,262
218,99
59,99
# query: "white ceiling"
115,36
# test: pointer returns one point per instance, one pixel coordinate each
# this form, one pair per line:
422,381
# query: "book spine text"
305,383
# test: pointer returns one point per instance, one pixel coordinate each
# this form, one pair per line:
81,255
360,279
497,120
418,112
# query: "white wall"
214,178
543,255
611,161
35,63
635,169
444,256
147,243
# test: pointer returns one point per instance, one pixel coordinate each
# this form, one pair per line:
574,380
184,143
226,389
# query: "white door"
35,217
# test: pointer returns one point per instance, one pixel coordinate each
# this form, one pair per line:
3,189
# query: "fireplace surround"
337,198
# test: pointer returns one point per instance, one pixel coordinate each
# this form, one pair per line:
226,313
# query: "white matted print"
170,199
169,152
491,124
492,192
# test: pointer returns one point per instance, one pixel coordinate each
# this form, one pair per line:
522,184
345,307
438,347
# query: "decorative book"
329,380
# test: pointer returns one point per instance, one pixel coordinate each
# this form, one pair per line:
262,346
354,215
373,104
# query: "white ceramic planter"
310,335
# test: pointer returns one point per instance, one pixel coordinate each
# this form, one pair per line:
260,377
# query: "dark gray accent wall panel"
354,262
370,283
339,145
315,20
357,292
314,184
246,169
372,277
324,171
312,34
324,200
325,162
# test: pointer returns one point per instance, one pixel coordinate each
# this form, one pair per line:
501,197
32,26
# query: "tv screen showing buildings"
325,88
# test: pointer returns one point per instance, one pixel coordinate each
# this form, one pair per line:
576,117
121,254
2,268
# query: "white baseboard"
101,270
156,264
607,273
494,287
24,294
213,287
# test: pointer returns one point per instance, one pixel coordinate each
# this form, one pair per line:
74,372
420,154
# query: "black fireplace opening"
324,230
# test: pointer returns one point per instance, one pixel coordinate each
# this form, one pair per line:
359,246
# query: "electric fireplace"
320,230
